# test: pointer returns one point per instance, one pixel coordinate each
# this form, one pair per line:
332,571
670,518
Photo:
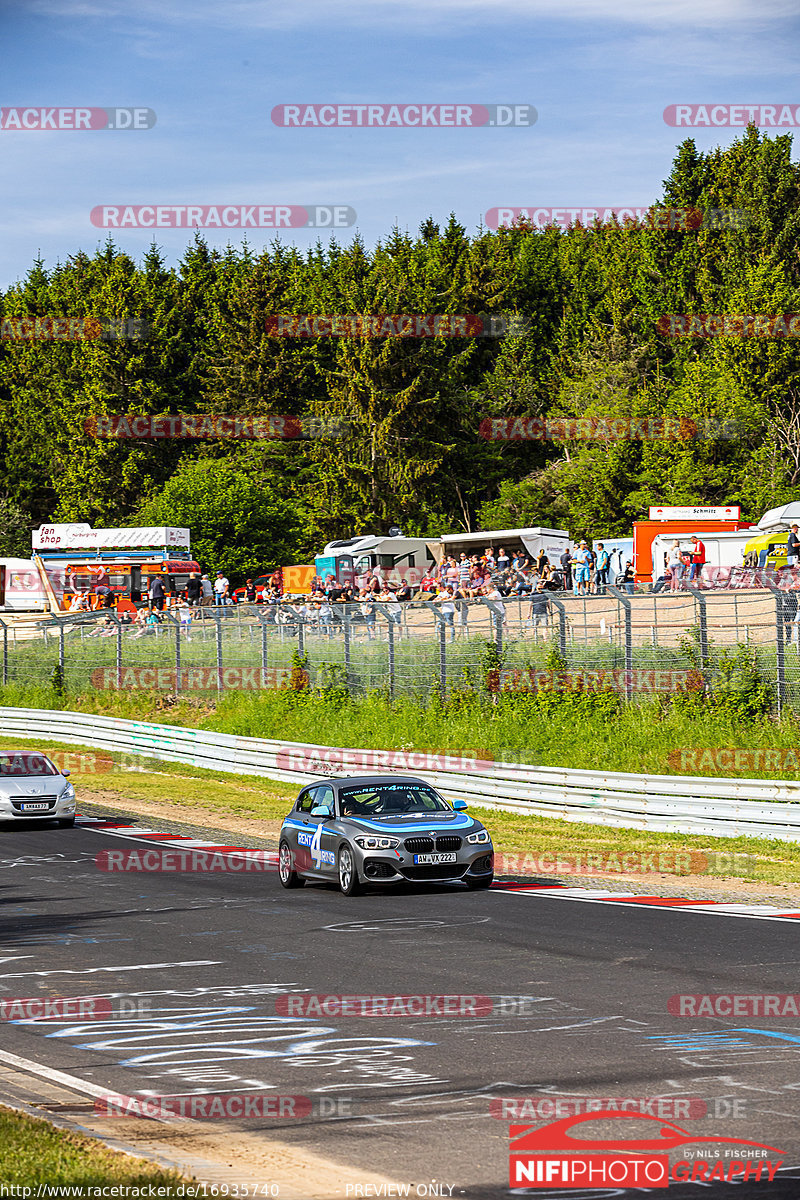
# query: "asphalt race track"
203,960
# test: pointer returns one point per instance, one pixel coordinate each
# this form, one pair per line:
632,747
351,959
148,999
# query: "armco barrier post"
5,653
700,601
626,604
780,651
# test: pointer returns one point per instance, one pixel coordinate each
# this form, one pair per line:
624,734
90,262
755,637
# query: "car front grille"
48,800
435,871
448,842
419,845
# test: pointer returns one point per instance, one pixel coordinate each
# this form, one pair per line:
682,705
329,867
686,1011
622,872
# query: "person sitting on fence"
498,609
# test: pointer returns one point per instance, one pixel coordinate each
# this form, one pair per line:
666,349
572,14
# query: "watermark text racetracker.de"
631,862
326,760
78,1008
71,329
199,679
403,116
605,429
215,426
676,220
217,1106
708,116
716,759
741,325
76,118
176,861
223,216
396,325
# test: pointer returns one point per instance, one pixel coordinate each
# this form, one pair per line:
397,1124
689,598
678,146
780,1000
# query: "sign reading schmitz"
720,512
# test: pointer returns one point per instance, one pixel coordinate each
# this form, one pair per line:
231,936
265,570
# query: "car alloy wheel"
348,875
286,872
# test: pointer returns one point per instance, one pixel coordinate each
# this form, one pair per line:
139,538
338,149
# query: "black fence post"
625,601
700,601
780,647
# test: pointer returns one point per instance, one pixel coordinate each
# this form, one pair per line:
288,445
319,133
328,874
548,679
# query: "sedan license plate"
34,807
434,858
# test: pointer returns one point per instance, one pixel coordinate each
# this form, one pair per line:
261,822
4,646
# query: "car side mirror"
459,805
322,810
66,774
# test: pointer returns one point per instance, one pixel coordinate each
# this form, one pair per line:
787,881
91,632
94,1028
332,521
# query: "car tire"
479,881
65,822
347,871
286,872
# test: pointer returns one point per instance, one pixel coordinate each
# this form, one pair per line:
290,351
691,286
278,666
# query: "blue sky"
599,73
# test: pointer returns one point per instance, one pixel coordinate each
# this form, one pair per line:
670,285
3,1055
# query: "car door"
315,854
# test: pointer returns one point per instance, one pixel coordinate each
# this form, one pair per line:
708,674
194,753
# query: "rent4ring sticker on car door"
314,843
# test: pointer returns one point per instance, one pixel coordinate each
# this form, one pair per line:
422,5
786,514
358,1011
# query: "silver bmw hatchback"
33,788
381,829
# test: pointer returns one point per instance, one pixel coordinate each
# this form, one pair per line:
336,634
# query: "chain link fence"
638,645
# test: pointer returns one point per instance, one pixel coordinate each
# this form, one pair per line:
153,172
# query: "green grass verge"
34,1153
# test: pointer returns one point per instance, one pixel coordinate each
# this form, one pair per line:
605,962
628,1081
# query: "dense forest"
587,344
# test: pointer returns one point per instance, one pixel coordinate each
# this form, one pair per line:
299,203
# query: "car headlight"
68,793
377,843
478,838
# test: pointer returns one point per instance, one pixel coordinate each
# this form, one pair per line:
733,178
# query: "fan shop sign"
192,679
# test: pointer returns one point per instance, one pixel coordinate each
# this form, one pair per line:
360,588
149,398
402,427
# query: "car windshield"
390,800
26,764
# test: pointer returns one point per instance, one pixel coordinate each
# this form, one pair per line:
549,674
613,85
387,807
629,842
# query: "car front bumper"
58,807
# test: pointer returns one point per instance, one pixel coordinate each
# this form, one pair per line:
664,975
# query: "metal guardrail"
659,803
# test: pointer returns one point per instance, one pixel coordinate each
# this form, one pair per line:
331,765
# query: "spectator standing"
367,607
580,561
503,562
464,570
221,586
675,566
447,608
540,607
194,588
566,570
250,592
157,593
698,559
185,615
601,572
793,547
206,592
